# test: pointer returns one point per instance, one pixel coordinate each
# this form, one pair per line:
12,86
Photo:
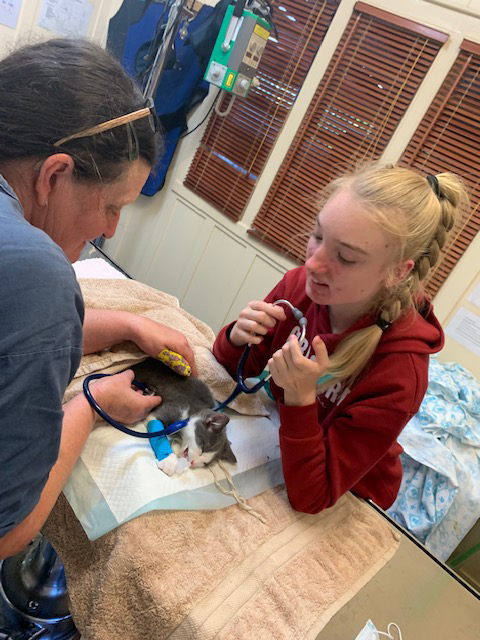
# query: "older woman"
77,143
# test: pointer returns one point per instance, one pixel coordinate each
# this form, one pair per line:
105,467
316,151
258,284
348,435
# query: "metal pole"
175,15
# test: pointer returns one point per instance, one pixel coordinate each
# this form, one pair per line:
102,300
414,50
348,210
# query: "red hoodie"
347,439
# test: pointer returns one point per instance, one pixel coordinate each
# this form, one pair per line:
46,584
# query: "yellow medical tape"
175,361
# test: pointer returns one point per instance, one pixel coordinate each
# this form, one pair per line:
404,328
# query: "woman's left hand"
296,374
152,337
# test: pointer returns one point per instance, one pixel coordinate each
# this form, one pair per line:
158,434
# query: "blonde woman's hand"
152,337
296,374
254,322
120,400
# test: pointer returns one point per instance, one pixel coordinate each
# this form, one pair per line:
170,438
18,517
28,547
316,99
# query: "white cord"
242,503
388,634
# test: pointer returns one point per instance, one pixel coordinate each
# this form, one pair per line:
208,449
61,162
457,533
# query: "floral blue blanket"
439,499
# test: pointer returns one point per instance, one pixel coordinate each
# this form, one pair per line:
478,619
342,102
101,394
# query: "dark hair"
56,88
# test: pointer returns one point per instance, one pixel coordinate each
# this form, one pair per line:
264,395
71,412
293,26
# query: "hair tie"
433,182
383,324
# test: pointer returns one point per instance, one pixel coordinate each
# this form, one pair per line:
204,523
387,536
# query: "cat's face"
204,439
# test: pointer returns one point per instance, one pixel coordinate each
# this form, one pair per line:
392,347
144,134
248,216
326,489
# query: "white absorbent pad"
117,479
96,268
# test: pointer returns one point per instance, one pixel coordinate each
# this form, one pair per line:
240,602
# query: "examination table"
403,583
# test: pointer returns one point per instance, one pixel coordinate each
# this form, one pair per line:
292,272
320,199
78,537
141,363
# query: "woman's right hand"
123,402
254,322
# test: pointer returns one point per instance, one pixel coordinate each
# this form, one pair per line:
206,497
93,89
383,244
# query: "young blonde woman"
370,331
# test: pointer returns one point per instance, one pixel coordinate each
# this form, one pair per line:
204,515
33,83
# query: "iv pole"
177,12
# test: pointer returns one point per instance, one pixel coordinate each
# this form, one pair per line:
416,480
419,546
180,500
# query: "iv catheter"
180,424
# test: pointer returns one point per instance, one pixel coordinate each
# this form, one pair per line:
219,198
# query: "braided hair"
418,213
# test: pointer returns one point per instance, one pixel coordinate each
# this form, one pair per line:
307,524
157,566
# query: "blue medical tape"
160,444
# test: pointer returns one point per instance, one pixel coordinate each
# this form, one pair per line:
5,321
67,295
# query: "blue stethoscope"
166,431
241,387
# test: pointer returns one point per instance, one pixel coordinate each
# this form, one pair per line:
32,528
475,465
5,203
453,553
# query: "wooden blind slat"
391,18
472,47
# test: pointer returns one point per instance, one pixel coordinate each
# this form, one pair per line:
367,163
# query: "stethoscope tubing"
241,387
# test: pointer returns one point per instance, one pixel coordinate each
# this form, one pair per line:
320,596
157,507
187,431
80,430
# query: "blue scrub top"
41,316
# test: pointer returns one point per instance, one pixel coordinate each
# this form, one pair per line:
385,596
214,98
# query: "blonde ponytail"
418,213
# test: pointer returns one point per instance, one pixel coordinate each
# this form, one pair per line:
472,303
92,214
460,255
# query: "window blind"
448,140
374,73
235,148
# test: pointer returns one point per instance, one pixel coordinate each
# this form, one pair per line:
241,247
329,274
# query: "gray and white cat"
204,439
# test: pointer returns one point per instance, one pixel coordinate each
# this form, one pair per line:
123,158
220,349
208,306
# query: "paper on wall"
465,329
9,12
66,17
474,297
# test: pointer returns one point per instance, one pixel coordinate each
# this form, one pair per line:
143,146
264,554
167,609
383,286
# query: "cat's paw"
182,465
168,464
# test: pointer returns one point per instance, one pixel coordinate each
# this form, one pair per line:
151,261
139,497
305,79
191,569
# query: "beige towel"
218,574
129,295
221,574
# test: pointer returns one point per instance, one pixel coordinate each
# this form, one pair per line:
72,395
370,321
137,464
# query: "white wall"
454,295
178,243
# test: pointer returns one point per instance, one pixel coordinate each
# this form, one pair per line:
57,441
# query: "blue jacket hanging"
134,35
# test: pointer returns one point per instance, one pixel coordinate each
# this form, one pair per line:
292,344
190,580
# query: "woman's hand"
152,337
254,322
123,402
296,374
103,328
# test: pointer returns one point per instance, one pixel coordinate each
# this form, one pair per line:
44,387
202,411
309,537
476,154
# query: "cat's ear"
216,421
228,455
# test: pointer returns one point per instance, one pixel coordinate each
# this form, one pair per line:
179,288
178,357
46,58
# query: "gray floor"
416,593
